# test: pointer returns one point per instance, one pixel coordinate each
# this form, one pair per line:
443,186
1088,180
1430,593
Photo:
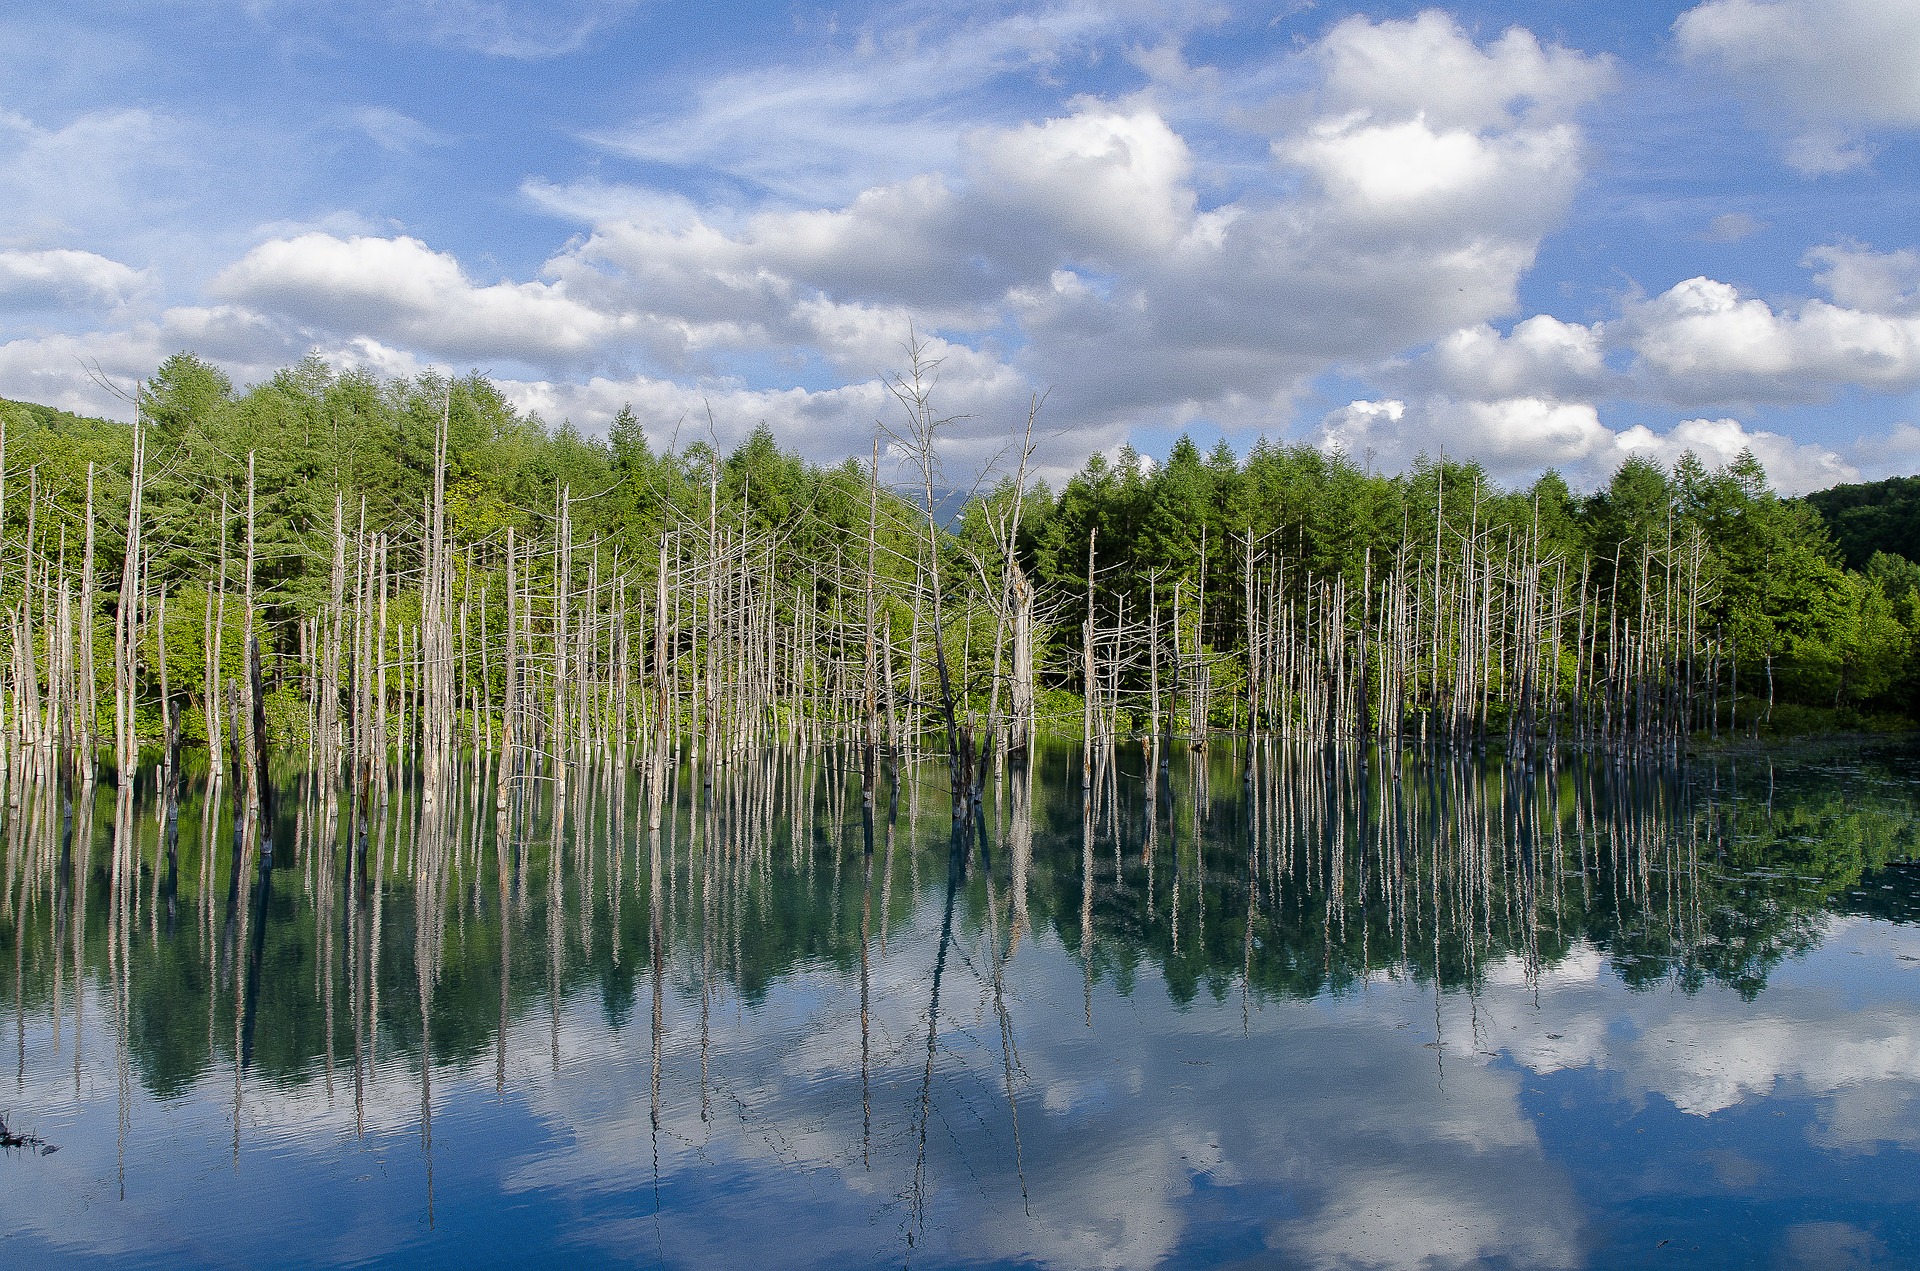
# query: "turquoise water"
1286,1009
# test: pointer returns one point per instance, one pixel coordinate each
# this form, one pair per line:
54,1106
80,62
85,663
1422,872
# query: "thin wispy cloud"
1342,229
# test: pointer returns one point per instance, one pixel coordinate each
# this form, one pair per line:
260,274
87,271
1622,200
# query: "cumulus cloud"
1703,340
1405,176
57,369
1860,278
1425,67
1541,356
1893,454
1794,467
1531,397
1823,69
1409,174
1518,438
1074,252
1703,343
63,277
823,425
398,290
1109,187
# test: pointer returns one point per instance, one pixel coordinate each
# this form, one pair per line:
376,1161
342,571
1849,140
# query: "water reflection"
1304,1003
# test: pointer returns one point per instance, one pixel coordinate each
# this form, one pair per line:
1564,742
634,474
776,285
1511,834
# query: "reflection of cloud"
1829,1246
1329,1106
1347,1132
1404,1218
1708,1051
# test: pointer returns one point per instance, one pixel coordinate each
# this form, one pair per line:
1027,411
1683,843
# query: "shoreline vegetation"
359,568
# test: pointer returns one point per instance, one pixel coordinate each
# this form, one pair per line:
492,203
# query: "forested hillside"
1291,590
1883,516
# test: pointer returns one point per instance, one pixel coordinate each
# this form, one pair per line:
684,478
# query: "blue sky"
1537,235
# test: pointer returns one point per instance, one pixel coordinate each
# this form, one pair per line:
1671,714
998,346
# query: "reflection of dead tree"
866,926
656,957
917,1194
997,958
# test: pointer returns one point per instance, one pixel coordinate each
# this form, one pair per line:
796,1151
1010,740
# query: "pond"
1277,1007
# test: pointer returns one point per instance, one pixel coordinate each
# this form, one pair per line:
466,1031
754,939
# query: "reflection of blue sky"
1563,1122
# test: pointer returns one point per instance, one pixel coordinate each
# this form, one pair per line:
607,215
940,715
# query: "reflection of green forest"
1318,873
1716,877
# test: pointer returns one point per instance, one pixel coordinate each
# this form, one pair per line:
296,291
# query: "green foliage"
1883,516
1806,629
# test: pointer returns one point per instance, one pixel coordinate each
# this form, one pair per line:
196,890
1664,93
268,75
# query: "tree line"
373,567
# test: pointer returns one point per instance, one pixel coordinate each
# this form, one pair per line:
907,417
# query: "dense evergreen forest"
418,563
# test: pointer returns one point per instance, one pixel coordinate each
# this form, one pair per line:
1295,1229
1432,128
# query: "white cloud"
1408,174
1426,66
1826,153
58,369
1531,397
892,103
824,425
1731,227
1541,356
1412,174
1858,277
85,177
1070,251
64,277
1792,467
1515,439
1518,438
170,195
1106,186
1822,68
1703,341
1073,252
398,290
591,201
1894,454
1853,61
395,131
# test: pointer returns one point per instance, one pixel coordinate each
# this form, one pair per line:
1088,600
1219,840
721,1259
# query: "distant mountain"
948,504
1883,516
